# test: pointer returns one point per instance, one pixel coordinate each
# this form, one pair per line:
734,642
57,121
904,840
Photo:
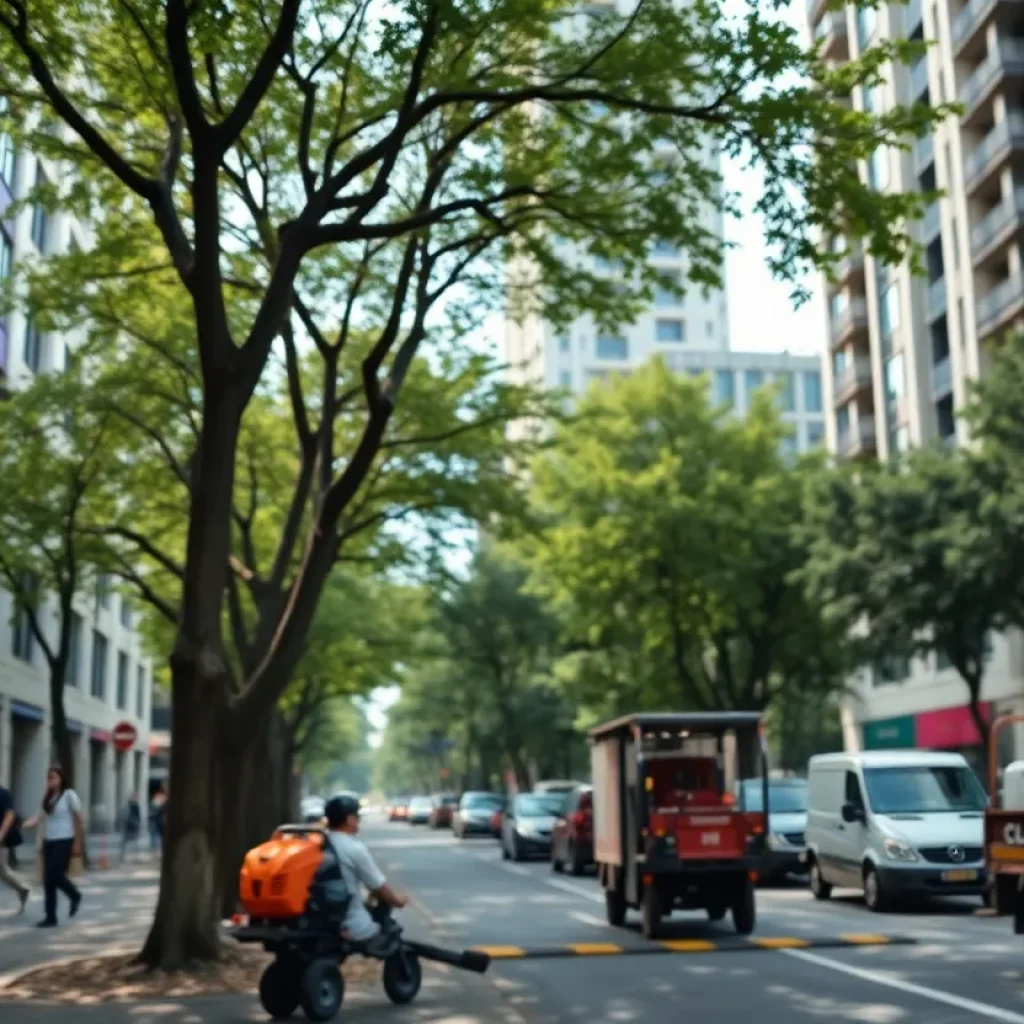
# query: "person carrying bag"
63,830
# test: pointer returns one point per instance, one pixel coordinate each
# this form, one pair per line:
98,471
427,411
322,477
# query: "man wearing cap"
358,868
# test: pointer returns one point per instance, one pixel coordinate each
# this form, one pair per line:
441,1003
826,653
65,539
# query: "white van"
895,823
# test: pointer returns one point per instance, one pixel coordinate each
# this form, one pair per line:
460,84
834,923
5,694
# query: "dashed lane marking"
786,943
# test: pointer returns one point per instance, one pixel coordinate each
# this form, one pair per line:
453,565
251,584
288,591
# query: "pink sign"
950,727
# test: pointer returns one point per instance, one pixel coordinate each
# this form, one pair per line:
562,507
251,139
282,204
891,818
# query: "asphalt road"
961,967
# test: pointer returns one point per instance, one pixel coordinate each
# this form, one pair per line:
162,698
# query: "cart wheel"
716,913
279,988
615,907
403,976
744,910
651,912
322,990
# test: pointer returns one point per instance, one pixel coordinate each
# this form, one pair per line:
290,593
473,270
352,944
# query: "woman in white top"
63,829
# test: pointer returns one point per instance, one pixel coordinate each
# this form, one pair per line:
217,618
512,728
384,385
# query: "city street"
961,967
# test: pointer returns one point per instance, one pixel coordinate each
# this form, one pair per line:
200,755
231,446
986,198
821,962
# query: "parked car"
473,817
496,819
527,824
556,786
787,823
398,809
312,809
443,810
419,810
572,838
895,823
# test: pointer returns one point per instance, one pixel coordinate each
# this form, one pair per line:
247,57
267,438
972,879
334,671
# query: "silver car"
526,827
787,823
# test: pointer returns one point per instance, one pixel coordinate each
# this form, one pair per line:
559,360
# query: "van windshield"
923,789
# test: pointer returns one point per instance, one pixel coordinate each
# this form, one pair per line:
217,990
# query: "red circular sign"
125,734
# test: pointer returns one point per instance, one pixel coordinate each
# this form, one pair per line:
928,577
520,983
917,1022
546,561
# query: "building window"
878,169
99,665
33,352
753,379
122,681
7,158
610,346
889,310
843,421
725,386
788,392
895,382
664,249
6,257
40,217
867,20
815,433
563,343
840,361
709,328
669,331
126,613
892,669
788,448
668,292
942,661
23,640
565,379
837,305
140,692
103,591
812,391
74,651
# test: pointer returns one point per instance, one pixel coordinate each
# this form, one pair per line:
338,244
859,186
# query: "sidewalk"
97,844
115,915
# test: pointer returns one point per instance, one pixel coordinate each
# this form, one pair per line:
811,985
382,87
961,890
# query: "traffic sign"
124,735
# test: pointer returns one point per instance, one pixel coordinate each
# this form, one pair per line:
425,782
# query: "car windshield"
421,803
482,802
923,789
539,805
448,801
783,798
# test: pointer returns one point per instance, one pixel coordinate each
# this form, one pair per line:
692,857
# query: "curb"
9,981
579,949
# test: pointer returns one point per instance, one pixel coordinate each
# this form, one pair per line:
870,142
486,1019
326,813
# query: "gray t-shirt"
358,868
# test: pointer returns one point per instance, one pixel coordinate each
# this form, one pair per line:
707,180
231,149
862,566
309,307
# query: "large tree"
668,537
299,168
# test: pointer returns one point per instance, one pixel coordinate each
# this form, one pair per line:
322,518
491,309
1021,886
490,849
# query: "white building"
901,349
110,678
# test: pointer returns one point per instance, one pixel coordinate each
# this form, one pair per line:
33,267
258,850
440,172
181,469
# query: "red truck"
667,831
1004,837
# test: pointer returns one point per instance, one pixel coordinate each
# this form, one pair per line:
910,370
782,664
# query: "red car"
442,811
572,838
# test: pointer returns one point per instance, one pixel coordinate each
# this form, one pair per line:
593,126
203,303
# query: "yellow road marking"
594,948
781,942
865,939
689,946
501,952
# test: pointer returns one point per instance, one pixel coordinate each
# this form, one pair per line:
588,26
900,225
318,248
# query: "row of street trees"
314,202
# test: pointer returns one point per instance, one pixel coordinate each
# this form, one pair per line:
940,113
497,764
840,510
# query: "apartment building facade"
110,677
902,349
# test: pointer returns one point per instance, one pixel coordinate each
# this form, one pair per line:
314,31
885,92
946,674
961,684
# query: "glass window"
667,292
663,248
669,330
6,257
934,789
563,343
33,346
725,386
74,650
878,169
787,446
7,158
843,421
23,640
889,310
787,392
126,613
612,347
837,305
753,380
812,391
99,665
140,692
840,361
122,681
103,591
867,20
565,379
39,214
815,433
894,378
893,669
709,328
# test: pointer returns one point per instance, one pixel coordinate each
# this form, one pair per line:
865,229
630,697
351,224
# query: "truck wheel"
403,976
651,912
744,910
279,988
820,889
322,991
615,907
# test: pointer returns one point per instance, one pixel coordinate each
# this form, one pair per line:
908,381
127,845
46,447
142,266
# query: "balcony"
852,380
857,439
850,271
1005,61
852,320
932,223
918,79
1000,305
936,299
942,379
831,33
924,153
997,226
1005,138
969,24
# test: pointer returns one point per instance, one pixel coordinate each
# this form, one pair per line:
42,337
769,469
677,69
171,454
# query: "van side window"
853,794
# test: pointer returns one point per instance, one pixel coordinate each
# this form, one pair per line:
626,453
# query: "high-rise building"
901,348
110,678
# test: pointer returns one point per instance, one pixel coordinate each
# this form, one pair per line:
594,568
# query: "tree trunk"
60,739
984,729
203,787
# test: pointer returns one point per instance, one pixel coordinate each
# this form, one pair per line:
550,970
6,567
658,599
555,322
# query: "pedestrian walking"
10,837
63,835
131,825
